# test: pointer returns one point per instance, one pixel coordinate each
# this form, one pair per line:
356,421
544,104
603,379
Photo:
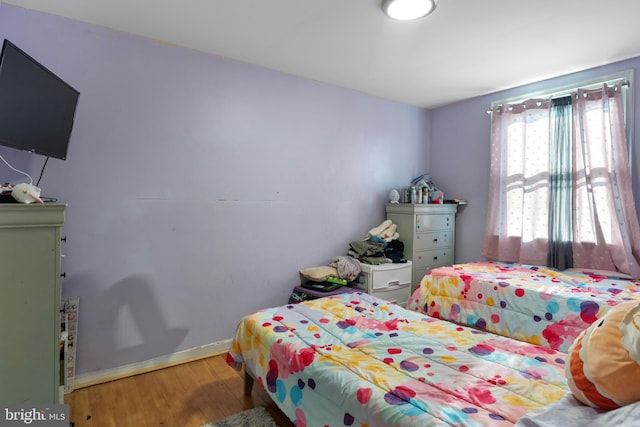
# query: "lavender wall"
460,138
198,186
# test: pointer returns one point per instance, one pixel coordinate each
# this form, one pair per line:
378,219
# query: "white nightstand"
391,282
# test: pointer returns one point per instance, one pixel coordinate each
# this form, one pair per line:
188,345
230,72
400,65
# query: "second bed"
530,303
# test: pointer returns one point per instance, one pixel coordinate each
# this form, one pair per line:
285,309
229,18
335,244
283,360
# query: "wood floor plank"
127,399
79,408
103,413
185,395
153,400
210,393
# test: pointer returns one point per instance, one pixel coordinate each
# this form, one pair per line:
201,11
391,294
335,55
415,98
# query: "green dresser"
30,314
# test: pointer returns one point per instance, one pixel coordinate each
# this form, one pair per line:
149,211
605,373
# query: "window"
560,184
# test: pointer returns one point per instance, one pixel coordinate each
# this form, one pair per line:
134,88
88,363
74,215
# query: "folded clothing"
369,251
375,231
394,250
373,260
387,231
367,248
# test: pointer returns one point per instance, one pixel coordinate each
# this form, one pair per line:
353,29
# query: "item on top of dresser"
455,201
603,363
426,196
5,194
394,196
427,192
26,193
422,180
437,197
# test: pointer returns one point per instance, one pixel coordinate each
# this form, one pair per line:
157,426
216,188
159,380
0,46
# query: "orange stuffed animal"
603,364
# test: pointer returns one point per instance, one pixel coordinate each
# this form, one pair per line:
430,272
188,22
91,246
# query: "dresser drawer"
434,222
425,241
434,258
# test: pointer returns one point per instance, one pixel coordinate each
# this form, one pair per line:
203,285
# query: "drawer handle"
435,258
393,283
435,240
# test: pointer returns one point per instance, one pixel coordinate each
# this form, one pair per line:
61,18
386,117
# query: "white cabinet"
390,282
30,314
428,234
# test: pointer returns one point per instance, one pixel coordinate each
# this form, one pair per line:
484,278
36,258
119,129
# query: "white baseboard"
93,378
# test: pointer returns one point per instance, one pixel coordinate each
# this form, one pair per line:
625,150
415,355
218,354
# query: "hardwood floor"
186,395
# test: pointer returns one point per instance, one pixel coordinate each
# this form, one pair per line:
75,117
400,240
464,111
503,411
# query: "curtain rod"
624,77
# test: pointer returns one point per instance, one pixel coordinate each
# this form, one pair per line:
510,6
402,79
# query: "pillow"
319,274
603,363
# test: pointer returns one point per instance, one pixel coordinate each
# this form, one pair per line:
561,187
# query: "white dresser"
390,282
30,314
428,234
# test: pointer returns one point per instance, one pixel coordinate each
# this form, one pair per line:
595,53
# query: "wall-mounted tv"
36,106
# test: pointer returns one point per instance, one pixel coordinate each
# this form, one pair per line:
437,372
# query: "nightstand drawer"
375,277
441,239
395,294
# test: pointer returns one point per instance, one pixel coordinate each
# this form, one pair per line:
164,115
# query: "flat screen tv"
36,106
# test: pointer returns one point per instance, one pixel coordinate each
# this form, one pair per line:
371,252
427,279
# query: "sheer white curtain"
605,230
517,216
605,223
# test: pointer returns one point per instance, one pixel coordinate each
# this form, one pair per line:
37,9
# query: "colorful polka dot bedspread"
535,304
355,360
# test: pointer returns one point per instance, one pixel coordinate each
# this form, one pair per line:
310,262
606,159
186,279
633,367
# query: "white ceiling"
464,49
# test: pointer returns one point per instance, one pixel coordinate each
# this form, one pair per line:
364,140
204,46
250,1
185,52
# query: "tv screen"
36,106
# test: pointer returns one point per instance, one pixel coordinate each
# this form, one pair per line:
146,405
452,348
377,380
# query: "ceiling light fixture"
407,10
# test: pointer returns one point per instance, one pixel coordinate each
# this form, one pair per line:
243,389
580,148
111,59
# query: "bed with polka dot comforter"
355,360
535,304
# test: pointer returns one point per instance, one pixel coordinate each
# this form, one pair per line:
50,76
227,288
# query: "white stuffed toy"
26,193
